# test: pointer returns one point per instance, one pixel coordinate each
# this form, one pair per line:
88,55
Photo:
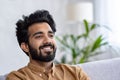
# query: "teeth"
47,48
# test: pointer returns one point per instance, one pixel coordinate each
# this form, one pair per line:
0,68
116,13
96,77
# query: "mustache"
46,45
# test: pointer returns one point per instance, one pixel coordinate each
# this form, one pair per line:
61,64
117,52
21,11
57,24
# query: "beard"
39,55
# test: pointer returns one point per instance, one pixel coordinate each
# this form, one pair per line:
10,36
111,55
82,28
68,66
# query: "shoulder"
17,75
69,67
73,69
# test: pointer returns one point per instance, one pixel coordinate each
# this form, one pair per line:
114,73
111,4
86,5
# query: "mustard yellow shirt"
59,72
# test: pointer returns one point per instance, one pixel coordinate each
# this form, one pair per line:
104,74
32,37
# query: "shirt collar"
53,69
40,69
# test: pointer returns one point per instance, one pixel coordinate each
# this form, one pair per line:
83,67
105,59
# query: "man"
35,35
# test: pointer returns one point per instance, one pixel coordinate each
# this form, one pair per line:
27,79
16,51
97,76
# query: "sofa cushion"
2,77
103,69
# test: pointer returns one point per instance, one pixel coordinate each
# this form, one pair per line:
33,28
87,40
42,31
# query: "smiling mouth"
47,48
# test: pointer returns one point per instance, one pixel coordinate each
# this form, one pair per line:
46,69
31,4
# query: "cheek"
35,44
54,42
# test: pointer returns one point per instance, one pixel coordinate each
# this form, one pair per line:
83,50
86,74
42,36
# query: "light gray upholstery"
2,77
103,69
100,70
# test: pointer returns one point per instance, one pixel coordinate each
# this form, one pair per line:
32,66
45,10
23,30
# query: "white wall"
107,13
11,56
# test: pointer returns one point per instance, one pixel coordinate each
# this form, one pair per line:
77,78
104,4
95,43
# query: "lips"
47,48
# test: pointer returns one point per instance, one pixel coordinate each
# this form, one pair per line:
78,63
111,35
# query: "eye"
38,36
51,35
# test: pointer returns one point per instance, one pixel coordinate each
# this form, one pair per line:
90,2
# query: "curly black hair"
38,16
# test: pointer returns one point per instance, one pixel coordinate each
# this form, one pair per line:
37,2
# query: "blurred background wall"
104,12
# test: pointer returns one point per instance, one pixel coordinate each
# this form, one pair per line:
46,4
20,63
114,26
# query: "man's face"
41,44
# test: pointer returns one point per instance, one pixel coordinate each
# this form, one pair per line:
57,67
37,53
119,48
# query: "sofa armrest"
103,69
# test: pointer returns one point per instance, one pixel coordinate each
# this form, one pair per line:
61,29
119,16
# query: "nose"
46,40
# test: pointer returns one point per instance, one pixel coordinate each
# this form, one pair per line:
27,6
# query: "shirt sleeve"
82,75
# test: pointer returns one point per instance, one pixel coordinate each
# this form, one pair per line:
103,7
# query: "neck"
46,65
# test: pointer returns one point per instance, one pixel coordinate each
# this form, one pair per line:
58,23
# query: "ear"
24,47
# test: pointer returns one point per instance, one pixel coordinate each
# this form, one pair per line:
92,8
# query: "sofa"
103,70
99,70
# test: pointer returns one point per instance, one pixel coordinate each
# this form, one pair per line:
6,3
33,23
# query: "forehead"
39,27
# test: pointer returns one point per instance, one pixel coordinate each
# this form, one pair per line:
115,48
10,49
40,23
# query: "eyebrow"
42,32
51,32
37,33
